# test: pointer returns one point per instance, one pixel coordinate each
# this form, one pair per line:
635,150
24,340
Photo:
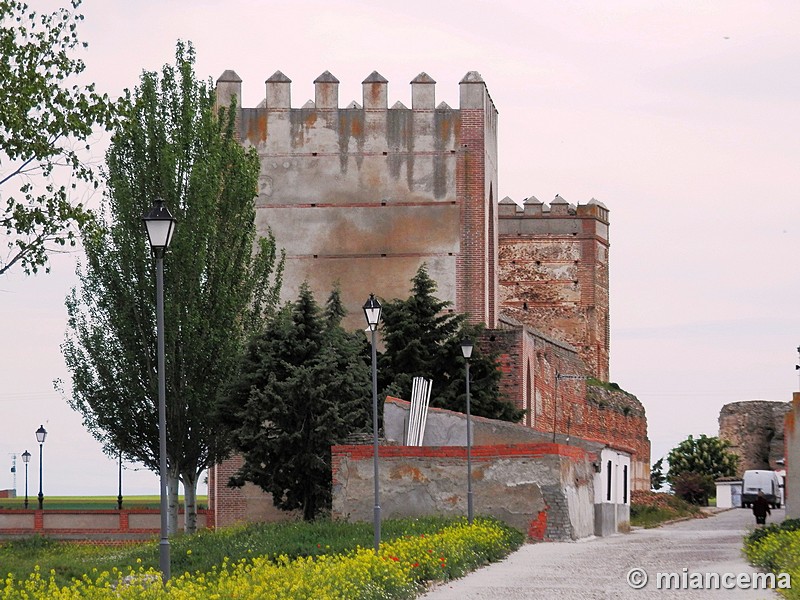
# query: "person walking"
761,508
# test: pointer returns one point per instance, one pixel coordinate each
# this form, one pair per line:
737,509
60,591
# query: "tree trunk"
172,500
190,501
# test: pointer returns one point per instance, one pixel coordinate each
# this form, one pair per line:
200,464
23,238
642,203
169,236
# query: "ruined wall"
364,195
537,376
544,489
615,415
553,263
755,430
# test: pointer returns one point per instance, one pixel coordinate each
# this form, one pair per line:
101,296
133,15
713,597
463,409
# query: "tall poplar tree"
220,280
46,118
303,386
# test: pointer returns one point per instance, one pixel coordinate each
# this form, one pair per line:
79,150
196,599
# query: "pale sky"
682,117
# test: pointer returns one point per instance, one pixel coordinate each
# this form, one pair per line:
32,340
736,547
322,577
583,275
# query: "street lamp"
372,311
466,352
119,496
41,434
160,225
26,458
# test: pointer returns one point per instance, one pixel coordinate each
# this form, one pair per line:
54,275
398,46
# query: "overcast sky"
682,117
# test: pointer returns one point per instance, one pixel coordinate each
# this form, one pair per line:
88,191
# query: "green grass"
650,509
208,549
89,502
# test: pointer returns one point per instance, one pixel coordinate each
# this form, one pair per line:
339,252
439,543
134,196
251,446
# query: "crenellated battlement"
375,93
532,207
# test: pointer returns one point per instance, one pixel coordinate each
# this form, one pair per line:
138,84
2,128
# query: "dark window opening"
625,484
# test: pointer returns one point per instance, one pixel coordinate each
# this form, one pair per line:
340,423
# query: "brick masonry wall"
97,525
568,407
247,504
553,274
543,489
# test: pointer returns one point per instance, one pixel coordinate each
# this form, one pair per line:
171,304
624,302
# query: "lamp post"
26,458
372,311
41,434
466,351
160,226
119,496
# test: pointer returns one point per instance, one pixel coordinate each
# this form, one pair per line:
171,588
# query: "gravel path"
597,568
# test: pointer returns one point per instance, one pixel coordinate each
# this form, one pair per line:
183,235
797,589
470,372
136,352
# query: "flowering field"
401,570
776,548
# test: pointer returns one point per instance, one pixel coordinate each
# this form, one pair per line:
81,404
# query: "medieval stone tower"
364,195
554,273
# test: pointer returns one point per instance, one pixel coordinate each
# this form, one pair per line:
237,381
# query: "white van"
761,480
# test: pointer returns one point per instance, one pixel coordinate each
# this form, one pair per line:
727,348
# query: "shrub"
695,488
650,509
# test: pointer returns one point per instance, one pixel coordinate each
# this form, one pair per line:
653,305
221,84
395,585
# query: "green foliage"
303,386
608,385
440,548
45,122
776,548
762,532
169,143
695,488
651,509
704,455
423,340
657,477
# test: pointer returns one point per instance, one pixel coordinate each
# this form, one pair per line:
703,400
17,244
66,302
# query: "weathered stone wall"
544,489
553,263
366,194
534,368
755,430
614,415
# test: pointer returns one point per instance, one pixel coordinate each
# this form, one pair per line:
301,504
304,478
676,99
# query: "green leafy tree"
657,477
695,488
171,143
422,339
303,386
704,455
45,122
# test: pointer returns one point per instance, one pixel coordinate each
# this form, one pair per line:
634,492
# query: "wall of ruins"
755,430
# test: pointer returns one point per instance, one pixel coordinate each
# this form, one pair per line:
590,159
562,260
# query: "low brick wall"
247,504
544,489
98,525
